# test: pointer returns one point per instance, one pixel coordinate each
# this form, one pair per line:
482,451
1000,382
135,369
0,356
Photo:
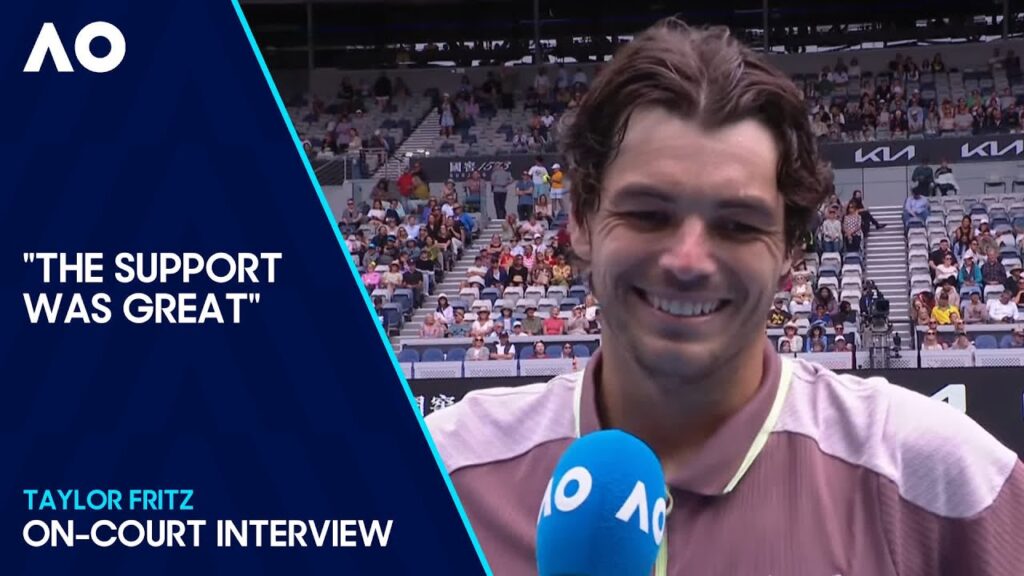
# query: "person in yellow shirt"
943,310
559,200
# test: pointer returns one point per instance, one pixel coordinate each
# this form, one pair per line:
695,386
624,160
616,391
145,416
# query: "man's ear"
579,236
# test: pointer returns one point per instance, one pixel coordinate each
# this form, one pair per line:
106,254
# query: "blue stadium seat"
1006,341
578,292
568,303
526,352
490,294
986,342
432,355
392,317
456,355
581,350
408,355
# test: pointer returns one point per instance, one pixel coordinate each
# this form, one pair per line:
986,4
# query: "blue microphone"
604,509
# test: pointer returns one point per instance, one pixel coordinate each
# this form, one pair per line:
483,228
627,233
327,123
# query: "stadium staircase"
450,286
422,138
886,263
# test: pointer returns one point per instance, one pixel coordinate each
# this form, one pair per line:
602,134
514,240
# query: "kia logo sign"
884,154
991,149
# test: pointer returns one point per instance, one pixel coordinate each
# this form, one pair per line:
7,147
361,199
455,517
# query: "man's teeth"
684,307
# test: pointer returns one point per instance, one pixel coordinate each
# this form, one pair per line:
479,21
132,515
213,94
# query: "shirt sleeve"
988,543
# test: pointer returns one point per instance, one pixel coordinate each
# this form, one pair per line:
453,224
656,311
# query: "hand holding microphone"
604,509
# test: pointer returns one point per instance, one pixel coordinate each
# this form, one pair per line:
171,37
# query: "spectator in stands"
351,218
992,271
478,351
517,328
778,316
559,200
923,177
459,328
831,232
962,342
941,312
532,227
431,327
839,344
561,272
857,201
975,312
933,124
500,181
802,292
444,313
553,324
1018,297
532,324
964,120
504,350
496,276
539,350
567,351
785,347
483,326
473,188
539,175
827,299
938,256
846,315
948,288
525,191
852,229
948,269
577,325
790,337
391,279
921,314
916,207
931,341
1002,309
816,340
821,316
446,116
1016,338
540,274
970,273
543,210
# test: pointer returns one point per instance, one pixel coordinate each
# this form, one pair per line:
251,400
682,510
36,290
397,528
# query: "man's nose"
689,253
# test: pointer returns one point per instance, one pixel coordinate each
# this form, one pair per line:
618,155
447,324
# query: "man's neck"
673,417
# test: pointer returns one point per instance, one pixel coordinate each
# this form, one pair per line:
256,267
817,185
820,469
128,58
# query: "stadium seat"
490,294
985,342
456,355
568,304
433,355
578,292
581,351
408,355
525,352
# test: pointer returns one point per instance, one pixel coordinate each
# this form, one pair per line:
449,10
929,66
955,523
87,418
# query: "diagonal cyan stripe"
362,290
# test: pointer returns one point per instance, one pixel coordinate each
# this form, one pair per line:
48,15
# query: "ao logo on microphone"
48,43
575,486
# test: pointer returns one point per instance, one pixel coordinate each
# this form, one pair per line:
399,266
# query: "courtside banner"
193,382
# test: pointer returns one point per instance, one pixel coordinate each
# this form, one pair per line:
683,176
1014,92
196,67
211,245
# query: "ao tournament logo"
49,44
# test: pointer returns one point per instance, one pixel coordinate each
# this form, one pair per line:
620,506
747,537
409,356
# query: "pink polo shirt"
818,475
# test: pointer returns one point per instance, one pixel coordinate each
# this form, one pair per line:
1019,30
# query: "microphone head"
604,509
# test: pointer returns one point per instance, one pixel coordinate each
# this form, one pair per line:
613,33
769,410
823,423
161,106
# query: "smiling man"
694,170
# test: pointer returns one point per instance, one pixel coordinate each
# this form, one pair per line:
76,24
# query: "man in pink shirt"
695,172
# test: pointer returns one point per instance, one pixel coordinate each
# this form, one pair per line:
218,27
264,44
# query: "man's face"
1005,297
687,247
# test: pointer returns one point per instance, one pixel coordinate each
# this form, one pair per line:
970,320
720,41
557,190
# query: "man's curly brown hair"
704,75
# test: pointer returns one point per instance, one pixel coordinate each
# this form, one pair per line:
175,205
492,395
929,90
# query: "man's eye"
650,218
736,228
